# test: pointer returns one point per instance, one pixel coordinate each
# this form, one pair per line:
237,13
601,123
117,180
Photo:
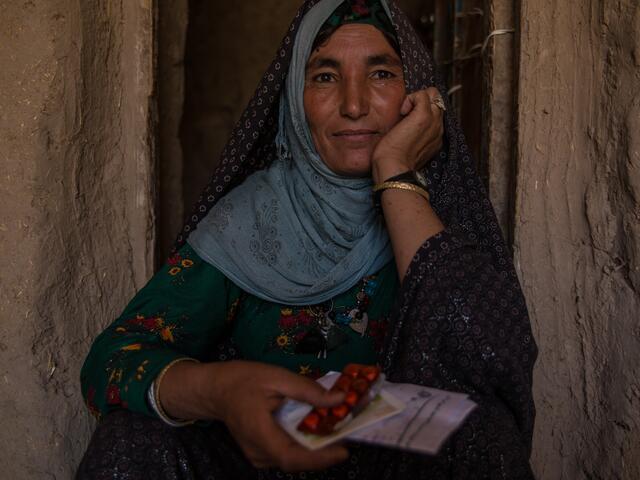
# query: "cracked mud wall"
76,210
577,232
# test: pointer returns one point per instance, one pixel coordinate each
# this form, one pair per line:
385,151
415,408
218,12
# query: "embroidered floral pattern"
310,371
264,244
116,375
113,395
176,264
221,213
141,370
293,327
155,324
323,185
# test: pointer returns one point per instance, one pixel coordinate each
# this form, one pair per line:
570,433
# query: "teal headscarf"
296,233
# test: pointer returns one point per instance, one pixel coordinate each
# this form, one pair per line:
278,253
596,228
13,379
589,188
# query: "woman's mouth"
356,136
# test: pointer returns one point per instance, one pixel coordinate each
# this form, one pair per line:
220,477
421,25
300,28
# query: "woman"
286,263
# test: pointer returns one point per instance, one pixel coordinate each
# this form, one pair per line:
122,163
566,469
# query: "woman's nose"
355,101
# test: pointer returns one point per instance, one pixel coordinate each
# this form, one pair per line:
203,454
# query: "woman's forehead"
354,42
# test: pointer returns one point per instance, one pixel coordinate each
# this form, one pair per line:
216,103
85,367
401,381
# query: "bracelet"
377,190
153,395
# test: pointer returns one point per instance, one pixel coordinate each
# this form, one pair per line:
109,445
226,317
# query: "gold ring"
439,102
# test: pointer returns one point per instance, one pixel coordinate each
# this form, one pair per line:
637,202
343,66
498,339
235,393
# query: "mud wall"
77,195
577,231
76,210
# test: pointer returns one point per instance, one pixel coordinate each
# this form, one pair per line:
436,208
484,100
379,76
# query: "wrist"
179,392
387,167
210,389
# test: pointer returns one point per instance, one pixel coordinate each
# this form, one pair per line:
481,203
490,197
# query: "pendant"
359,325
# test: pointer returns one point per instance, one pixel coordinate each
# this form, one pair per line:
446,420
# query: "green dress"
189,307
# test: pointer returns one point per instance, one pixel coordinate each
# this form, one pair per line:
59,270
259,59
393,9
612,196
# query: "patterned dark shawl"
460,320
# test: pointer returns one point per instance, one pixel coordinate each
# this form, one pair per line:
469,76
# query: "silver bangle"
154,401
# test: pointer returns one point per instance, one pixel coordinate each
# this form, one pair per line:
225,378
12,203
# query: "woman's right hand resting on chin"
244,396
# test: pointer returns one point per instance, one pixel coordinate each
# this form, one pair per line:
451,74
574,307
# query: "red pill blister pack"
359,383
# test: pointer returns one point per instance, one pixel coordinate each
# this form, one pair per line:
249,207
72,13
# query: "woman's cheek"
313,106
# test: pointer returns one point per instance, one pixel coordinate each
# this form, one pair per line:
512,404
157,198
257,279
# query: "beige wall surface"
76,216
577,232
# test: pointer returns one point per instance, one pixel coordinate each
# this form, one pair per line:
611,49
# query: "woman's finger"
407,106
291,456
270,446
427,114
436,101
419,100
306,390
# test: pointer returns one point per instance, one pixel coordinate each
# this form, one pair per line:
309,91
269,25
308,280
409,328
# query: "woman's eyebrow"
323,62
371,61
383,59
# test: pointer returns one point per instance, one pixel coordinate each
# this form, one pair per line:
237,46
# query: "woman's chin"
352,164
358,170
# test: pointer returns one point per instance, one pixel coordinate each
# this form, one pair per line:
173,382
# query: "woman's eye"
323,77
382,75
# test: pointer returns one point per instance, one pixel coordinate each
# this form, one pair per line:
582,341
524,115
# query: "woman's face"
354,88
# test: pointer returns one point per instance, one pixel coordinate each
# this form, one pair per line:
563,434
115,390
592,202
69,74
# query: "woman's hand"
409,145
244,396
414,140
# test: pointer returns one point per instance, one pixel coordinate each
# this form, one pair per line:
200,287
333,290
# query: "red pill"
343,383
370,373
352,370
360,385
355,382
351,398
340,411
310,423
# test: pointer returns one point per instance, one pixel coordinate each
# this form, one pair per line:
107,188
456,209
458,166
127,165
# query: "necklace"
320,328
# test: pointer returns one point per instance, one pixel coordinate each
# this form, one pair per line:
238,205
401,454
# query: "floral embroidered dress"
189,306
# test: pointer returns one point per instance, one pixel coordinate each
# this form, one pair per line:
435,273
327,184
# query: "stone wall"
577,231
76,210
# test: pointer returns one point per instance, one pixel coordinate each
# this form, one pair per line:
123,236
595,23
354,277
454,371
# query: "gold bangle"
402,186
156,390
